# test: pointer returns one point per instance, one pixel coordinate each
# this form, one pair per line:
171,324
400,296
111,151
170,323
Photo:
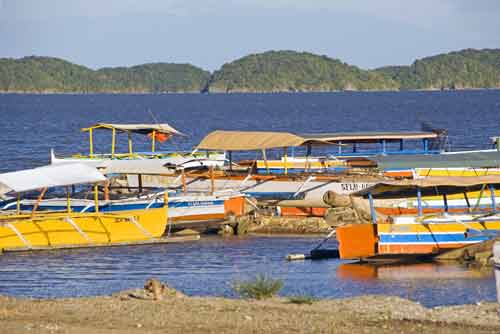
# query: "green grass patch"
302,299
260,287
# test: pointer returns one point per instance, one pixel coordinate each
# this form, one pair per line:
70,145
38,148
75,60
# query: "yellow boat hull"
59,230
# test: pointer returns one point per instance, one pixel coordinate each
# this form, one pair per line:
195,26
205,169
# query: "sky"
209,33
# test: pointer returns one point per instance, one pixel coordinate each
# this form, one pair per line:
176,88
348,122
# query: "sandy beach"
136,312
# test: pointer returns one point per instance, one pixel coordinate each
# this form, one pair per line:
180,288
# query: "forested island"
273,71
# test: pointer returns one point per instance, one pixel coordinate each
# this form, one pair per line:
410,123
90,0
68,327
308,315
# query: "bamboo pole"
96,198
129,143
113,142
153,141
68,199
38,200
18,204
91,143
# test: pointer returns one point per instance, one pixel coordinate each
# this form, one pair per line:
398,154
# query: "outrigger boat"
351,148
158,133
420,235
183,206
472,163
309,186
47,230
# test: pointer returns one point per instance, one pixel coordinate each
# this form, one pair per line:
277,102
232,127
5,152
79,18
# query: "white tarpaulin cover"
49,176
138,128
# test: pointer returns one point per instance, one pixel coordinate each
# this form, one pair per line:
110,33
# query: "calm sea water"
32,124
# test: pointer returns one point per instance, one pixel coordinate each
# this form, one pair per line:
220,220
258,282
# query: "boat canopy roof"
143,129
49,176
258,140
369,136
447,160
248,140
430,186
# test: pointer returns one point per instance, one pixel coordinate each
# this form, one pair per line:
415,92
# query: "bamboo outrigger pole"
38,200
96,198
153,141
18,204
91,143
68,199
129,143
113,142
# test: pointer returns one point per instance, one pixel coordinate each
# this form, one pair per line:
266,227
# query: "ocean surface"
33,124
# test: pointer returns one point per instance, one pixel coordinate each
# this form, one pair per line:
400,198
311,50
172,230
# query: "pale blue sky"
208,33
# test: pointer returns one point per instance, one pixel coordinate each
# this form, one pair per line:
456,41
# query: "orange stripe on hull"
303,212
416,249
414,211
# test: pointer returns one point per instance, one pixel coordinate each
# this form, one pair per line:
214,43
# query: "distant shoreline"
251,92
269,72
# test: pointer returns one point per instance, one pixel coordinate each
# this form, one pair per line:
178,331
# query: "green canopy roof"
485,159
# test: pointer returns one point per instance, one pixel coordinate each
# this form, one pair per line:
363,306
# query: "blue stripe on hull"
429,238
127,206
300,170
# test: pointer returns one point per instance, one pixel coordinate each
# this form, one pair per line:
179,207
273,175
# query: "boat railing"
147,154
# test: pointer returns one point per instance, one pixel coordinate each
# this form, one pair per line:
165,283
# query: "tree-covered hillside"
50,75
283,71
455,70
273,71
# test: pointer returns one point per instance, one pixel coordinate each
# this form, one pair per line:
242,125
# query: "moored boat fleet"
413,197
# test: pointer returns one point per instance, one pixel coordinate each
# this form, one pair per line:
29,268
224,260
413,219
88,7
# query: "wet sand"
128,312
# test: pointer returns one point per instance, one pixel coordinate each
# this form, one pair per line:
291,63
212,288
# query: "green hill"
51,75
284,71
273,71
455,70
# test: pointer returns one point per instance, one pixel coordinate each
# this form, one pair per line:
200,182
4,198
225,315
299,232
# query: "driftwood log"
359,205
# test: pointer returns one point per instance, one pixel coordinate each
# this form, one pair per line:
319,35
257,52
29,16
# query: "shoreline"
253,92
133,311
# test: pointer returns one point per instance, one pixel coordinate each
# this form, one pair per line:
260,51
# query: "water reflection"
209,267
413,271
